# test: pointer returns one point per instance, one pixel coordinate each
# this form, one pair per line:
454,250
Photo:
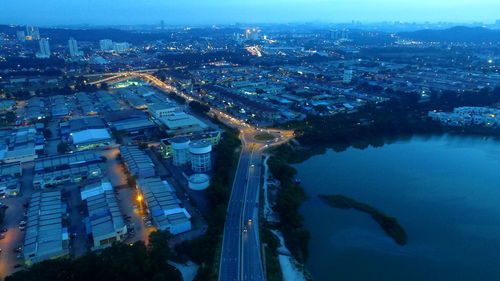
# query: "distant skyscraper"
121,47
347,76
73,48
162,24
32,32
44,49
21,36
106,44
339,34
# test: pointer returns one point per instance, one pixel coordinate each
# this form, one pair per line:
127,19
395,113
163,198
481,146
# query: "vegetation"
389,224
204,250
264,137
290,197
62,148
137,262
177,98
373,125
199,107
273,269
2,214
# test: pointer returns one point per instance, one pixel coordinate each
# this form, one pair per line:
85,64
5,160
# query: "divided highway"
240,257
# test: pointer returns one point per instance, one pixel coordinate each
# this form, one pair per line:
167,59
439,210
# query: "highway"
241,250
241,256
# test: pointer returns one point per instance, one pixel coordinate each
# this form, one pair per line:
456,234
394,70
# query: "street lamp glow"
139,198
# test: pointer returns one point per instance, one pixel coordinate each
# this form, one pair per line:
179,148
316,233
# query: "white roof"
90,135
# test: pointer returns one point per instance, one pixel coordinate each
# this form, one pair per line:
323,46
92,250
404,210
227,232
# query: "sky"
193,12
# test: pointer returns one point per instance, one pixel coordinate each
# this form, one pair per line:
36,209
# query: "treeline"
405,114
193,59
204,250
136,262
288,200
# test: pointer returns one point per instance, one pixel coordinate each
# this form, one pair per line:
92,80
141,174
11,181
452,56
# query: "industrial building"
105,221
45,238
138,163
161,109
10,175
180,150
166,145
20,144
164,206
95,188
181,123
91,138
67,168
200,156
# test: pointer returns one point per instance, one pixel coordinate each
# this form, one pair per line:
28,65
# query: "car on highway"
245,230
251,166
250,222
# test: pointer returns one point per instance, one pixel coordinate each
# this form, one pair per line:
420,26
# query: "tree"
10,117
199,107
62,148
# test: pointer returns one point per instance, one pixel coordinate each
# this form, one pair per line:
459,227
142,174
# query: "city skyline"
192,12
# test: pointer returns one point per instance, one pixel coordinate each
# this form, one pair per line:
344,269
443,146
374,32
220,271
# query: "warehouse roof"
90,136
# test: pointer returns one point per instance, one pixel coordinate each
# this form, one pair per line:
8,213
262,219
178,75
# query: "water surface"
444,191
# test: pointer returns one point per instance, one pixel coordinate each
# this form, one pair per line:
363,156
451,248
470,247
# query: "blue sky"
50,12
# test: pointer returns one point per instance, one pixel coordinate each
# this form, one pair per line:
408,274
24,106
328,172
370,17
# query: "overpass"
144,76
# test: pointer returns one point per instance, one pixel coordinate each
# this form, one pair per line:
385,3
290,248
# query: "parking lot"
9,258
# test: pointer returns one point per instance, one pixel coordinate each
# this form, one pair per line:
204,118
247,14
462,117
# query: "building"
91,138
180,150
104,221
181,123
32,33
73,48
44,49
21,36
137,161
106,44
95,188
10,175
45,237
347,78
68,168
164,207
166,145
161,110
20,144
200,156
121,47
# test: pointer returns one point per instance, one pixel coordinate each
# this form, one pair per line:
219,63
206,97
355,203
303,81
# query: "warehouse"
137,162
104,222
164,207
91,138
45,238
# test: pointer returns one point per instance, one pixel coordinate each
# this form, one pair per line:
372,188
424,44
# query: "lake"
444,191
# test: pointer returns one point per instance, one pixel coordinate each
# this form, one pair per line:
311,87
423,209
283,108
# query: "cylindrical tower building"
180,150
200,156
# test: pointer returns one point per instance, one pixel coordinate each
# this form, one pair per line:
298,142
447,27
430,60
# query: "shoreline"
389,224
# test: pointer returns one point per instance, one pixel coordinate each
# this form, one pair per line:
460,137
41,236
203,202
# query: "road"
241,256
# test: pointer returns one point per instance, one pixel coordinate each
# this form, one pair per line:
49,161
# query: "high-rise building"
21,36
106,44
162,23
44,49
32,33
347,76
339,34
73,48
121,47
